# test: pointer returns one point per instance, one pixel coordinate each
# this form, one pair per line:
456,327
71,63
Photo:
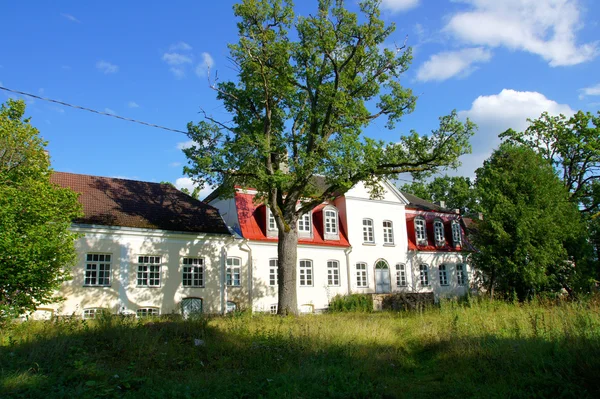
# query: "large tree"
307,87
528,223
36,247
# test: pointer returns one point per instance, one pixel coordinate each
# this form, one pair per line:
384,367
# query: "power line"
92,110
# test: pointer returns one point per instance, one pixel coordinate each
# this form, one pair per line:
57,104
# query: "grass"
486,349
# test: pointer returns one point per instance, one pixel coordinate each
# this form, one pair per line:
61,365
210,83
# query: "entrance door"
191,307
382,277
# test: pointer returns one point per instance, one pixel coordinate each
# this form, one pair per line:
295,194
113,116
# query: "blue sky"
496,62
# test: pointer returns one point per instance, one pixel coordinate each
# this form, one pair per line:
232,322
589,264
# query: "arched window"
438,232
388,232
420,232
456,233
330,223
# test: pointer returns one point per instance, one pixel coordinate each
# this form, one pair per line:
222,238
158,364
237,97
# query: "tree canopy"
307,87
36,247
456,191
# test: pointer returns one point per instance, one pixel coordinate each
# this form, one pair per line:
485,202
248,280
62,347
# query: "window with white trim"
438,232
304,225
401,275
424,275
193,272
273,265
333,273
420,232
361,275
368,235
92,313
456,233
273,309
461,274
271,224
234,272
148,271
97,270
388,232
306,273
330,221
443,275
147,312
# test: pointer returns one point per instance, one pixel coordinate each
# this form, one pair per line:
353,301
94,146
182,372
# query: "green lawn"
482,350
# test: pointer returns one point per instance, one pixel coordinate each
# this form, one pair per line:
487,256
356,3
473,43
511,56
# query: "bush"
351,303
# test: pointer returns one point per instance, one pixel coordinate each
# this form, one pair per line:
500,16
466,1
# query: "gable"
390,194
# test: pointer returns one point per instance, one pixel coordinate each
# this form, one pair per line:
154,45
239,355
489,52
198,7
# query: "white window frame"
362,275
456,233
98,269
271,223
439,233
461,274
420,230
305,270
273,277
333,273
194,269
305,225
151,276
368,232
92,313
443,271
401,275
331,225
233,272
424,275
150,311
388,233
273,308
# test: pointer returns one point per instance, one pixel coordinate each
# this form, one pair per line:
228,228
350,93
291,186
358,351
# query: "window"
193,272
273,264
424,275
97,270
230,307
456,233
420,232
438,232
148,274
271,225
388,232
330,219
234,272
400,275
306,273
443,275
147,312
333,273
461,274
273,309
92,313
361,275
368,231
304,225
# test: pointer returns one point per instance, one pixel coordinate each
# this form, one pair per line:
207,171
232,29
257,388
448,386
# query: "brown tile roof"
130,203
419,203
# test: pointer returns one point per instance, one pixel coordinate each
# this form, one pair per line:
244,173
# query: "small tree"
528,221
36,246
306,89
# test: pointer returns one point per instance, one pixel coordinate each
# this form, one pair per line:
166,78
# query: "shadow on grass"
119,357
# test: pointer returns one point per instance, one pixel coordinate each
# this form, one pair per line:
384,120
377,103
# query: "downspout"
348,273
250,270
222,278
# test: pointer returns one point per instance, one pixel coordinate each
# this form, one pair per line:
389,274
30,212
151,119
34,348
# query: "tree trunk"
287,253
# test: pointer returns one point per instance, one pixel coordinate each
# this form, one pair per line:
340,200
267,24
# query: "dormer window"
272,230
420,231
456,234
304,225
438,232
330,223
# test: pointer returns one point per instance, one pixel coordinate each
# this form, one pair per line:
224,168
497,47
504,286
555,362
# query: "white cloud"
496,113
176,59
206,64
185,144
109,111
107,67
133,104
179,73
70,18
447,64
589,91
186,182
543,27
181,46
398,5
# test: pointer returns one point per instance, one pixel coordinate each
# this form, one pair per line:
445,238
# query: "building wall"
124,296
433,260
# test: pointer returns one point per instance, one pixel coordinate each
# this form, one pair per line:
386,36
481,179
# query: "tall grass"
473,349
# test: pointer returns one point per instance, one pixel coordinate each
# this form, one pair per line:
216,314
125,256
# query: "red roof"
429,217
252,218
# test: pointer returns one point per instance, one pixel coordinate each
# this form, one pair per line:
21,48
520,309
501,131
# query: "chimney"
441,204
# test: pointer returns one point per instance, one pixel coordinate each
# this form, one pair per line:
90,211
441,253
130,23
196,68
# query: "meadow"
455,350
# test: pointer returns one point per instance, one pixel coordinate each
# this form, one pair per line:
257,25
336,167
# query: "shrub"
351,303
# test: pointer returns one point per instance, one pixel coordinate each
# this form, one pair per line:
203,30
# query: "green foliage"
456,191
36,247
527,224
351,303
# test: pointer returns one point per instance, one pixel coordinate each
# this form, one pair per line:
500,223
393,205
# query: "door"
191,307
382,277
